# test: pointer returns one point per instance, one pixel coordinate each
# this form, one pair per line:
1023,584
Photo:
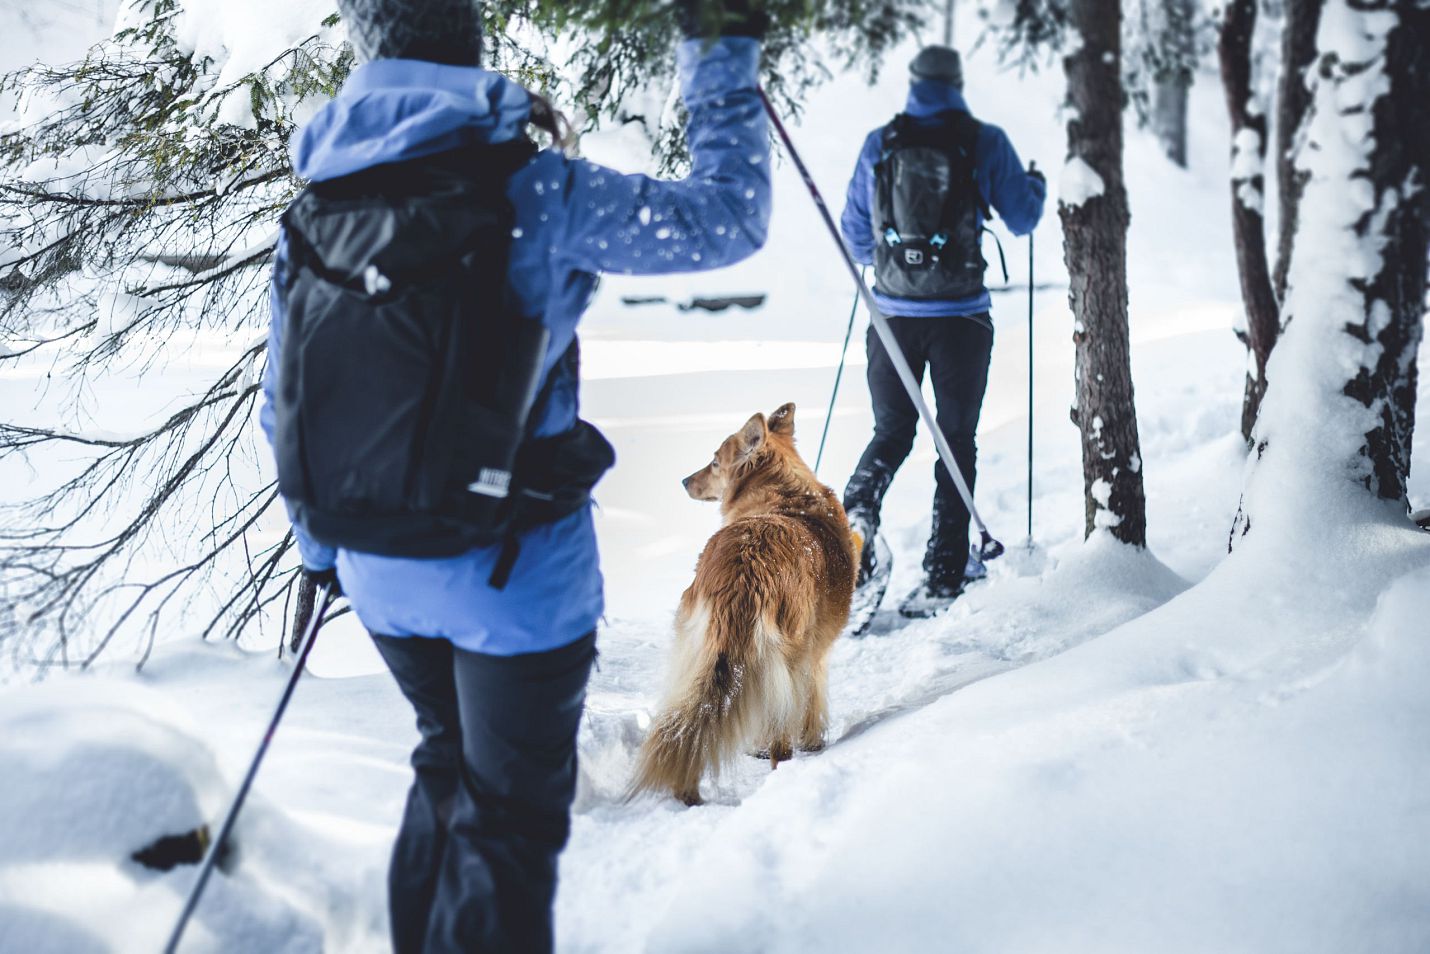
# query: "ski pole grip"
990,549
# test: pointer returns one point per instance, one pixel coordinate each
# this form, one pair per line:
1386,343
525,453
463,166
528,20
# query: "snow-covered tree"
138,205
1247,108
1163,41
1339,410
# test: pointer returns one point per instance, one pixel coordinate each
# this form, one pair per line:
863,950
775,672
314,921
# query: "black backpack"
926,209
408,383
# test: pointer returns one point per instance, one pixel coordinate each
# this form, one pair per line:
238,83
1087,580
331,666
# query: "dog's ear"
752,436
782,420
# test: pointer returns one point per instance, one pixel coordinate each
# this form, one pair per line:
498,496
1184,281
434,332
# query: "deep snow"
1087,753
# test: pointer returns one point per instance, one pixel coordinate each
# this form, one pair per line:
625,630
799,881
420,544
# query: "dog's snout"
686,482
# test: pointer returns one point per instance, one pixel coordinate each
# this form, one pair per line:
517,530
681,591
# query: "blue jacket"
574,219
1016,196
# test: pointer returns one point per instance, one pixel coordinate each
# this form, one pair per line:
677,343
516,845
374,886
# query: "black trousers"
474,868
956,352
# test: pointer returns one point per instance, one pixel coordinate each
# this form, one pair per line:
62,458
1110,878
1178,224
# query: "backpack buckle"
492,483
892,237
939,240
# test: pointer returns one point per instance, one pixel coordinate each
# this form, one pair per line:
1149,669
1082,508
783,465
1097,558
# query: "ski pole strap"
1002,259
881,327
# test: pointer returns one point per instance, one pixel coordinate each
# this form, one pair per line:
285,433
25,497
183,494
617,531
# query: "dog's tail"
730,680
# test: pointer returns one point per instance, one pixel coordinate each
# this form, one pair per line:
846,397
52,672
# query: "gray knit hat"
939,64
440,31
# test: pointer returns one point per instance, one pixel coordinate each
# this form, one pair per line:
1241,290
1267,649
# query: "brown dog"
752,634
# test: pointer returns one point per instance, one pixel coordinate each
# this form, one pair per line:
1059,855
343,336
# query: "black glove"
322,578
1035,173
733,17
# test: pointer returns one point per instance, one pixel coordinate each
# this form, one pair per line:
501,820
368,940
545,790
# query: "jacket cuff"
710,67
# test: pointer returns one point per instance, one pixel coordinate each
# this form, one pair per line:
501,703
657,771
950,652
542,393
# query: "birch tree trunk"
1248,197
1095,217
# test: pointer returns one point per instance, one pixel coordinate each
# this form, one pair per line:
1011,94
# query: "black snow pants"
956,352
474,868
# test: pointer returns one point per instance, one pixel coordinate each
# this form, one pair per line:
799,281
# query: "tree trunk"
1169,117
948,22
1394,298
1340,409
1173,87
1248,196
1095,217
1298,51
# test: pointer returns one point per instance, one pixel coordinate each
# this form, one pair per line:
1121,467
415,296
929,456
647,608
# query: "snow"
241,39
1247,162
1099,749
108,769
1078,183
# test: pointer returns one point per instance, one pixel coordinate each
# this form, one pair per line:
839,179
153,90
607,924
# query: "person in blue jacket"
951,335
497,676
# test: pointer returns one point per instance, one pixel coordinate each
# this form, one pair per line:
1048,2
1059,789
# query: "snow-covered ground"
1096,750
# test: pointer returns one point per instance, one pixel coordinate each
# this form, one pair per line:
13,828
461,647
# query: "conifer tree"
138,207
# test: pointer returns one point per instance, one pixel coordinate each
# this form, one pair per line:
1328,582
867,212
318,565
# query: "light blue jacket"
574,219
1016,196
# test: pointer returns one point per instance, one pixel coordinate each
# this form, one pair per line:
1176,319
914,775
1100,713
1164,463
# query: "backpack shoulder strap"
960,132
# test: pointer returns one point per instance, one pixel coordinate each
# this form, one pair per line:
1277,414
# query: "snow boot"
975,570
876,563
930,599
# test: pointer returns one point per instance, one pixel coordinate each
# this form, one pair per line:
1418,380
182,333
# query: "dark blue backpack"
927,206
408,385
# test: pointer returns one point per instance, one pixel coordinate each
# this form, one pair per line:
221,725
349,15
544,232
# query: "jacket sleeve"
1016,196
315,555
716,216
857,221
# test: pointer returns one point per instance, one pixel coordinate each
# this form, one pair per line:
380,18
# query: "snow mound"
107,769
1181,784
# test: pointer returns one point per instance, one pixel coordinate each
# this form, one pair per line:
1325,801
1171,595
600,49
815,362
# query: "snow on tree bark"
1298,51
1339,406
1248,196
1095,249
1394,296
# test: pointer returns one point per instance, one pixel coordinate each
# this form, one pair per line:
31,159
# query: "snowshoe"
929,600
877,564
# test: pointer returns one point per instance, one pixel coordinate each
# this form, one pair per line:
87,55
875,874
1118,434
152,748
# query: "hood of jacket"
393,110
929,98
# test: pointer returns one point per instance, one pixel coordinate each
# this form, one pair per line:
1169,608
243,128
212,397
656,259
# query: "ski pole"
838,375
325,597
1032,167
990,549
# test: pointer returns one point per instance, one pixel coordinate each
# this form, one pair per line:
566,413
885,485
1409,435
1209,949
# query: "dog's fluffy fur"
771,593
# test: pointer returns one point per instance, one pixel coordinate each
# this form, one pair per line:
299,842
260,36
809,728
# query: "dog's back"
771,593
